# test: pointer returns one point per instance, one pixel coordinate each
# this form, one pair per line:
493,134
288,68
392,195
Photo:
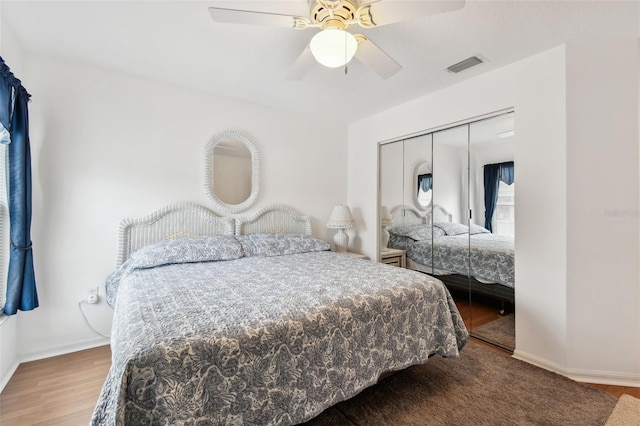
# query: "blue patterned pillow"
458,228
416,232
248,248
451,228
280,244
186,250
477,229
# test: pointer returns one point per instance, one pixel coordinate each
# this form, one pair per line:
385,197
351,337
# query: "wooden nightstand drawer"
394,257
395,261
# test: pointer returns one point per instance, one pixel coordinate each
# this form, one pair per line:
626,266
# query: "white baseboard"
57,350
539,362
7,376
615,378
605,377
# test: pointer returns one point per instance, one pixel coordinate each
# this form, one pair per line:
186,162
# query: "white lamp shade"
385,216
333,47
341,218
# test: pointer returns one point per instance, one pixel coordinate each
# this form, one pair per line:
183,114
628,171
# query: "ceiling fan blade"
303,64
248,17
375,58
384,12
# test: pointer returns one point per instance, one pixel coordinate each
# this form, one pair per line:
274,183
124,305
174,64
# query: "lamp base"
384,238
341,241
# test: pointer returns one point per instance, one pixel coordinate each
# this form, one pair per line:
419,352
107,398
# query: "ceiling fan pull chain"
346,61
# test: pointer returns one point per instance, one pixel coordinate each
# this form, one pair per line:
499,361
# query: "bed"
253,321
462,256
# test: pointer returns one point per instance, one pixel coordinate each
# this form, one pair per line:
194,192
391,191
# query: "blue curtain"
491,182
14,117
506,172
493,174
425,182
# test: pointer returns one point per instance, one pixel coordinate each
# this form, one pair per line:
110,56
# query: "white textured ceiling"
177,42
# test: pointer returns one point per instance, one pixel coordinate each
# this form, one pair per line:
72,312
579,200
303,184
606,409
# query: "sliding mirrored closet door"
433,186
405,185
492,231
450,214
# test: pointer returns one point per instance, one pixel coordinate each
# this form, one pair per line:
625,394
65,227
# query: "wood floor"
63,390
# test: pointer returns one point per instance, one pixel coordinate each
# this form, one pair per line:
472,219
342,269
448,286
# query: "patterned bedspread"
265,340
492,256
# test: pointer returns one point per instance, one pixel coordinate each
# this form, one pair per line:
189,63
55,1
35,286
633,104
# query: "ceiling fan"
333,46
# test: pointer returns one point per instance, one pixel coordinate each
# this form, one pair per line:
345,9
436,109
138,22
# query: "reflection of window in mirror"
425,183
422,178
504,215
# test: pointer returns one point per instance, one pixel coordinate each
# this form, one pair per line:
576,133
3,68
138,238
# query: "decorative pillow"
451,228
248,249
416,232
186,250
280,244
477,229
459,228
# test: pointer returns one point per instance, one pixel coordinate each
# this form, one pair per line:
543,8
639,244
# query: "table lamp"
385,220
341,219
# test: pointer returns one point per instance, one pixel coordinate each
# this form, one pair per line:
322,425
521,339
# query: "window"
424,184
504,216
424,198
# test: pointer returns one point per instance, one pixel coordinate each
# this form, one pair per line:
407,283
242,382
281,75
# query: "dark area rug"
482,387
501,331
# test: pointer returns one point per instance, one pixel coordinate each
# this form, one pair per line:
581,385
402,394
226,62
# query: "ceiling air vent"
465,64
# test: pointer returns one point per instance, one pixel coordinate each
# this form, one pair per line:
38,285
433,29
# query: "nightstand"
356,255
394,257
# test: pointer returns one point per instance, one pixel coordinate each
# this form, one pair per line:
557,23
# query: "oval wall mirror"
422,185
232,172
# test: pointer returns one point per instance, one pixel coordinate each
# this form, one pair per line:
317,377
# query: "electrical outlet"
93,297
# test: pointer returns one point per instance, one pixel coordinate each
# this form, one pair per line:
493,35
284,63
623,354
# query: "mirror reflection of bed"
465,235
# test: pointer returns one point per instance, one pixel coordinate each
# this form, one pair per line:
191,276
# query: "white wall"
540,211
602,205
108,146
551,330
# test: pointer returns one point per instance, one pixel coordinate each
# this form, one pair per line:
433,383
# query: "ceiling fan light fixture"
333,47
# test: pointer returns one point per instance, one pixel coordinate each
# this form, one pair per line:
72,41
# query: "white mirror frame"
421,168
208,172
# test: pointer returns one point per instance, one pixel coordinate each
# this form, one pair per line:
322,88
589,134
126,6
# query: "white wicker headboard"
193,220
276,218
440,214
174,221
407,215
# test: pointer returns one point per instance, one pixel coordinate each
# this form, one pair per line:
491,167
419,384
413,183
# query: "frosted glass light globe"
333,47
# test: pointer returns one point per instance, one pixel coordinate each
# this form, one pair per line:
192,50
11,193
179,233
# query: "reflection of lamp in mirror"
341,219
385,220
